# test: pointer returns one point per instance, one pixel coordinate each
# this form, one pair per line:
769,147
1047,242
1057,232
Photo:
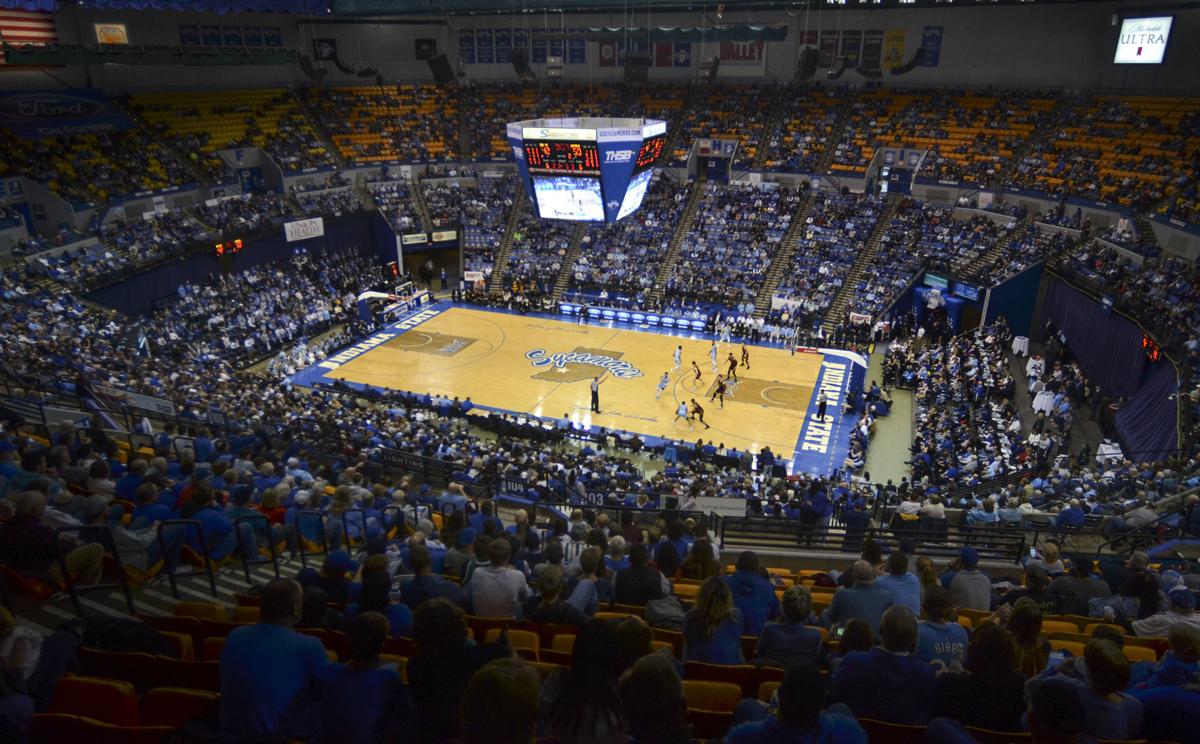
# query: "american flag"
26,27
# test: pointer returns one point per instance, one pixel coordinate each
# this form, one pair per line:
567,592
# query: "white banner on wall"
304,229
742,59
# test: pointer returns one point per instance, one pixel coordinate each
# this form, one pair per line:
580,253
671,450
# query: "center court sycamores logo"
616,367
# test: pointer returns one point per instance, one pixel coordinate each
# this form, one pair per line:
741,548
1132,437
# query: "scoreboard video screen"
650,152
563,157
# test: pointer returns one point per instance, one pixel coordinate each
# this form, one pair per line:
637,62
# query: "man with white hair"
29,544
297,473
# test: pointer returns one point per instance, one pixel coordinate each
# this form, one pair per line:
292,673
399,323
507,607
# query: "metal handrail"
251,519
104,533
173,572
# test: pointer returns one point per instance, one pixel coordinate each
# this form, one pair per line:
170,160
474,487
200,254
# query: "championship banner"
608,54
466,46
827,49
851,47
484,53
872,50
304,229
38,114
931,42
743,58
504,46
893,48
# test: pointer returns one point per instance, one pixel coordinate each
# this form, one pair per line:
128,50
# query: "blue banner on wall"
538,51
252,35
210,35
272,36
503,46
577,50
466,46
483,47
931,42
189,36
36,114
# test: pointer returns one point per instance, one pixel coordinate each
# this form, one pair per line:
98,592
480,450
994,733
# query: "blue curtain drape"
1146,423
1108,347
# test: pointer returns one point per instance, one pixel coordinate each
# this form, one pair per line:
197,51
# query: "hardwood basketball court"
532,364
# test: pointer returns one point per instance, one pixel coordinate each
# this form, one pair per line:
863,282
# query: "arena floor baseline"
540,365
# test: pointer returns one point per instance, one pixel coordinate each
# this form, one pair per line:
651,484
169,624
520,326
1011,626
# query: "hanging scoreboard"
587,169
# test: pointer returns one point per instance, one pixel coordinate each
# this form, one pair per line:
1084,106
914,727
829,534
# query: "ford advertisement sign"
37,114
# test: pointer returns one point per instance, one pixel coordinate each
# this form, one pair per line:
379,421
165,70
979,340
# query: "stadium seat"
1090,628
711,696
201,611
210,649
1075,649
182,643
108,700
57,728
1139,653
174,706
1059,626
883,732
766,690
563,642
247,614
523,641
987,736
745,676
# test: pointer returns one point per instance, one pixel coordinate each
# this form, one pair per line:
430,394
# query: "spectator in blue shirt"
270,675
712,629
375,597
940,639
801,719
1178,666
361,702
425,584
790,640
904,586
1072,516
887,683
753,595
862,599
127,485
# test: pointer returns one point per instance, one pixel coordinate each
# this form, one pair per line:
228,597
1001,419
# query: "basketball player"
696,369
682,413
662,385
698,413
719,392
712,354
678,357
745,357
732,373
596,383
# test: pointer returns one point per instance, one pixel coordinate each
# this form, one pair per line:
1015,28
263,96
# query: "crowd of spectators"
538,249
374,124
616,258
245,316
725,255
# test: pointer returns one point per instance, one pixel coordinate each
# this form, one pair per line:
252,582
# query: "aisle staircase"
774,121
568,262
500,262
984,263
1147,243
686,219
783,254
841,301
315,121
418,200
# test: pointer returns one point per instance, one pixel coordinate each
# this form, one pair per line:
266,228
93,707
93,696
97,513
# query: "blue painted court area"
823,444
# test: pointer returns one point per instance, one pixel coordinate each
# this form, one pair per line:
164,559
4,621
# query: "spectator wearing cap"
425,584
270,675
497,589
887,683
1037,588
335,577
970,588
801,717
752,594
461,554
862,599
1182,610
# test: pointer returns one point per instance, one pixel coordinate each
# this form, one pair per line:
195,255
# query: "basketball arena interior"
598,371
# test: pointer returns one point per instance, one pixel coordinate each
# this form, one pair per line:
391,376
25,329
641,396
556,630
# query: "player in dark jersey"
745,357
696,369
719,392
732,373
698,413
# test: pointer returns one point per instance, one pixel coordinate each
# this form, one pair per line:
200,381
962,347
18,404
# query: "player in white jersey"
682,413
678,356
712,354
662,385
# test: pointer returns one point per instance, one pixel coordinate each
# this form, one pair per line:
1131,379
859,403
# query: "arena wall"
1067,46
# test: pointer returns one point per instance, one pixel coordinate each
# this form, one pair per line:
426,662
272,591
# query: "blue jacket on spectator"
886,686
755,597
